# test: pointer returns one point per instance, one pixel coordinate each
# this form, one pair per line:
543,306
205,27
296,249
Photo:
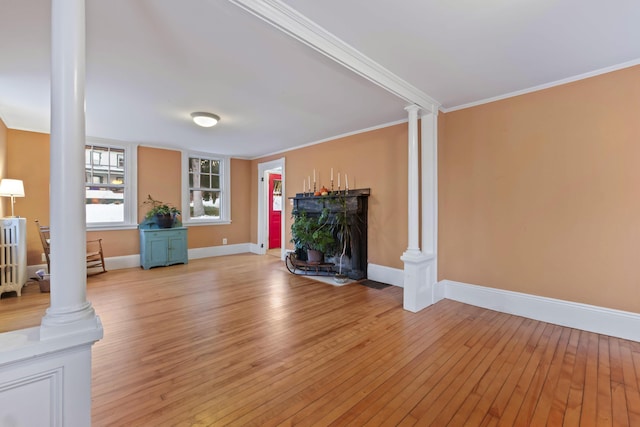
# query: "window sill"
111,227
199,223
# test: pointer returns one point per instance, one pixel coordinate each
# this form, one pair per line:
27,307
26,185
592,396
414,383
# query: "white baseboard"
439,291
388,275
616,323
212,251
601,320
111,263
31,270
132,261
120,262
255,248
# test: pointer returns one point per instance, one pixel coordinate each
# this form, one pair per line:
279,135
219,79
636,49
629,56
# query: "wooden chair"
95,256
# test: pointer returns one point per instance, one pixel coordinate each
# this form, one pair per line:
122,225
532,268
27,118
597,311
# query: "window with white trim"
207,188
109,185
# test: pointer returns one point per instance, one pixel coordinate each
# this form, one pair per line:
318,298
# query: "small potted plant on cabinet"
160,213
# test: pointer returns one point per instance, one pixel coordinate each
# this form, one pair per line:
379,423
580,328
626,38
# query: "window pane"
105,204
204,204
205,165
205,189
104,172
215,166
205,181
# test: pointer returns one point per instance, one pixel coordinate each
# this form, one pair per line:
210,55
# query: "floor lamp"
12,188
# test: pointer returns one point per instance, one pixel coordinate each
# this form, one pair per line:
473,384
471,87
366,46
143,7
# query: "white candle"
314,176
338,179
346,181
331,174
303,185
309,182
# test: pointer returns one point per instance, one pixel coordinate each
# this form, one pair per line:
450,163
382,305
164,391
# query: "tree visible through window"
204,187
104,183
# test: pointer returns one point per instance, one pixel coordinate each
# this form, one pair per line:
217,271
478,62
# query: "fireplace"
356,202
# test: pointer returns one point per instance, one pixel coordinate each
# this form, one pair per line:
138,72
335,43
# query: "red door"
275,210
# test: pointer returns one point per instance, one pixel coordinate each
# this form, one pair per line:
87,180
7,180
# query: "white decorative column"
418,289
413,249
51,364
429,185
69,311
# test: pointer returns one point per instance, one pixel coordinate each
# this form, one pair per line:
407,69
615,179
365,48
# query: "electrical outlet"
43,257
224,241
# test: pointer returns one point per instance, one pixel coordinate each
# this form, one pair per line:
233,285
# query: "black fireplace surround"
355,263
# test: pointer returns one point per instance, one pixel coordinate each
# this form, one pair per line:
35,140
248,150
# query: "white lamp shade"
11,187
205,119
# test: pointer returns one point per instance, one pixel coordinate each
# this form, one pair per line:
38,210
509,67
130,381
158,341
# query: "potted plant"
163,214
342,229
313,234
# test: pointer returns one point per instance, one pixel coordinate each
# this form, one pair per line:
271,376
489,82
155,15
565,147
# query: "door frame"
263,208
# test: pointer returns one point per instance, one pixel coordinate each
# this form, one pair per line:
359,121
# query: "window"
110,194
207,194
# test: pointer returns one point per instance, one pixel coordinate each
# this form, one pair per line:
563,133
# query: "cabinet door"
157,251
177,249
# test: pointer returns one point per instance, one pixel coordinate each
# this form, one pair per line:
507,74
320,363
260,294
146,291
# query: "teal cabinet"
163,246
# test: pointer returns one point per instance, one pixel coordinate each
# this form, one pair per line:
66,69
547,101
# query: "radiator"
13,254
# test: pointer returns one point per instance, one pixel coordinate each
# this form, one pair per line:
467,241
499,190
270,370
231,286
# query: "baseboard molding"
388,275
616,323
31,270
601,320
132,261
439,291
255,248
212,251
120,262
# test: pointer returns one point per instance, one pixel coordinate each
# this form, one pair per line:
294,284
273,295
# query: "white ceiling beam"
308,32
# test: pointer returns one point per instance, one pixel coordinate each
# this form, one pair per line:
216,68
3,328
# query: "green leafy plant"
312,232
156,207
342,228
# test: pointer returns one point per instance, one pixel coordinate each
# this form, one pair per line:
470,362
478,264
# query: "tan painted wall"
539,193
3,167
376,160
239,229
28,160
158,175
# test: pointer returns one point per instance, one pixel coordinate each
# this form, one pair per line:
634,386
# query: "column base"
57,323
419,280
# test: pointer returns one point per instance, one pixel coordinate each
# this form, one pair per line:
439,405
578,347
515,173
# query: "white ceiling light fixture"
206,120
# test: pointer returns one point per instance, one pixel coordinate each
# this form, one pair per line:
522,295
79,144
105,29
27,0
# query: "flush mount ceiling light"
205,120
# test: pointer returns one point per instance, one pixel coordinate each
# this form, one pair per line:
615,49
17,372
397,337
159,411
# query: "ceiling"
150,63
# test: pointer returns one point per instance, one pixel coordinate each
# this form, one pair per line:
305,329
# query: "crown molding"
296,25
549,85
331,138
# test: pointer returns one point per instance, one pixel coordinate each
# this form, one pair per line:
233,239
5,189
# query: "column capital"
434,112
411,108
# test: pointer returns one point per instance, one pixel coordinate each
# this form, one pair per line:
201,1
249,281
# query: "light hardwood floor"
238,340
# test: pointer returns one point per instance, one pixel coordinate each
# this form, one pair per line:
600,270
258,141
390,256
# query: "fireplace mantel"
357,211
